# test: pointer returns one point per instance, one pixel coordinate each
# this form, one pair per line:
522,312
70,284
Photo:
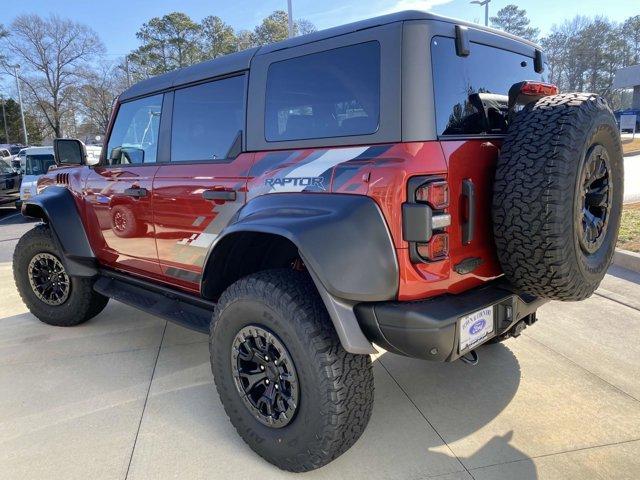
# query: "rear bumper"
429,329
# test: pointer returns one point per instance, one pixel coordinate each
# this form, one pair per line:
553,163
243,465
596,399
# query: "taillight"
435,194
424,219
538,89
436,249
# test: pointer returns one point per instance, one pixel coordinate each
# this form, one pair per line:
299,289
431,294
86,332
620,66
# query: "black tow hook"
470,358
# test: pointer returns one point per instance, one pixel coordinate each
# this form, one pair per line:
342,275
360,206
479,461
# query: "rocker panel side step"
180,308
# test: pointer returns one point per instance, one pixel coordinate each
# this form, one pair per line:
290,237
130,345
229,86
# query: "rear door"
119,193
471,118
204,184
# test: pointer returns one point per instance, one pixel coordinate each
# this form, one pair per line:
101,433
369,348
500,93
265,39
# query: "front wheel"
289,388
44,285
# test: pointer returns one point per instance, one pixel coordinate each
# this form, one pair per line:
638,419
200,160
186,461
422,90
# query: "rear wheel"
47,290
291,391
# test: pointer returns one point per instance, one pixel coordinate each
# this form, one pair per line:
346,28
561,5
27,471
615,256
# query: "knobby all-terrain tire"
537,195
336,387
82,304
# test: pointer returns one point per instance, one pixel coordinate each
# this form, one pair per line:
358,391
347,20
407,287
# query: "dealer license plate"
475,327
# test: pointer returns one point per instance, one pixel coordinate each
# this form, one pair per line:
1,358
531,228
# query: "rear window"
471,92
335,93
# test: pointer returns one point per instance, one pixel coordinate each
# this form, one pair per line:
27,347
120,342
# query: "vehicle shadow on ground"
455,399
459,400
184,423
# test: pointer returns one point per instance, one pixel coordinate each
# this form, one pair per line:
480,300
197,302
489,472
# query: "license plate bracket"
475,327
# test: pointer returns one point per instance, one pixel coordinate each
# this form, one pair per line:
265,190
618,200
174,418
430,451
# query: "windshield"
38,164
4,168
14,150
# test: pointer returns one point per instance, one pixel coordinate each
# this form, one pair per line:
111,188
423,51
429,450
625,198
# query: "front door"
119,194
197,193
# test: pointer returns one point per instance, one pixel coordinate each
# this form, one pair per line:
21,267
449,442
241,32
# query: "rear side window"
335,93
471,92
134,138
207,119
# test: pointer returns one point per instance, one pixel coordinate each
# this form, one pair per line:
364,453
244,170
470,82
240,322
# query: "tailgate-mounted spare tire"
558,196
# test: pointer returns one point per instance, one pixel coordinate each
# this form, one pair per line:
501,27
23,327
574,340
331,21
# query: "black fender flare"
343,240
56,206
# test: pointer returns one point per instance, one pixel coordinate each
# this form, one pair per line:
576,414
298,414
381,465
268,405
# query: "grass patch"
629,238
631,146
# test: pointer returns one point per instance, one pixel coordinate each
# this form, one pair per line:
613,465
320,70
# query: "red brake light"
537,89
436,249
435,194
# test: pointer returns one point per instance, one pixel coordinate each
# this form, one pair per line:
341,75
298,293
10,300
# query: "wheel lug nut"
267,381
276,386
261,367
266,359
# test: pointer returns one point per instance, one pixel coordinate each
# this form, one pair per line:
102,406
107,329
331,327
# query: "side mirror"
69,151
126,156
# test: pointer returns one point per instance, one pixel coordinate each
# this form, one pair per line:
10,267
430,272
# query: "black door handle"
229,195
469,192
136,192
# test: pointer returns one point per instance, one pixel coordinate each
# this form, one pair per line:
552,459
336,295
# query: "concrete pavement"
632,179
128,396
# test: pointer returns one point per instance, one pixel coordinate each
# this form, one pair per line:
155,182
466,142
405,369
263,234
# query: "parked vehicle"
10,180
408,181
5,156
93,154
19,160
38,160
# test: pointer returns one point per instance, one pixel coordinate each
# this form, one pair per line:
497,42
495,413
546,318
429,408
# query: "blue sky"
116,21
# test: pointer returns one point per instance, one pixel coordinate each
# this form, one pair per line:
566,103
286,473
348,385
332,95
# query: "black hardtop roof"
237,62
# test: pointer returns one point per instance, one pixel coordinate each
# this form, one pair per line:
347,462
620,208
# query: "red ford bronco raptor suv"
408,181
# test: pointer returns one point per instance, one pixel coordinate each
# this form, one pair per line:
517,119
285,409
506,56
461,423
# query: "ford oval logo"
477,327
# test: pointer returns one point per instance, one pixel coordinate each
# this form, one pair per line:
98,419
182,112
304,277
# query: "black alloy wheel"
595,203
48,279
265,376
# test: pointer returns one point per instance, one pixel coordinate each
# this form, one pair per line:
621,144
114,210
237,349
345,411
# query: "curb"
627,259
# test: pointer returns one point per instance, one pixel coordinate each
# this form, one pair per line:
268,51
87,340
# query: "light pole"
484,3
290,18
16,67
4,117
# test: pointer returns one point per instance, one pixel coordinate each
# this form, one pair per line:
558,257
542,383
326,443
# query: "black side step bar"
181,308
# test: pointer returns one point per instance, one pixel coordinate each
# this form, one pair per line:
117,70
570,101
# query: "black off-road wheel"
289,388
49,293
558,196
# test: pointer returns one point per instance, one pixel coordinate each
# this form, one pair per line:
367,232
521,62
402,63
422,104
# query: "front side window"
207,119
471,92
335,93
38,164
134,138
